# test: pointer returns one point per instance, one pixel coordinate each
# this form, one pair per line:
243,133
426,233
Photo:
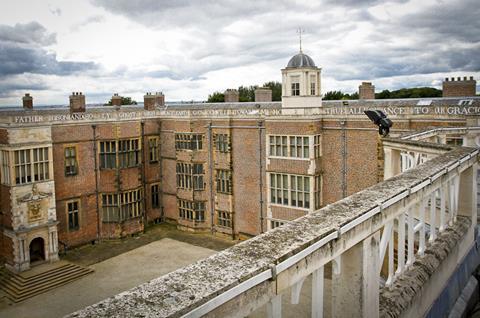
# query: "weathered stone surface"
396,299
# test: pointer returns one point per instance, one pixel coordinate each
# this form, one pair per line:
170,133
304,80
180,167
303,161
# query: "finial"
300,31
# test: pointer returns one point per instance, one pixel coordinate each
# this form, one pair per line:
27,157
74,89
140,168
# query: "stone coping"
396,299
423,144
179,292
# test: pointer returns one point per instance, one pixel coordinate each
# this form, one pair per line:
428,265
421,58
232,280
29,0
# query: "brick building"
78,174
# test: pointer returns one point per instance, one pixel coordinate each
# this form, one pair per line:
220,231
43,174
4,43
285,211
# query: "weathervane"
300,31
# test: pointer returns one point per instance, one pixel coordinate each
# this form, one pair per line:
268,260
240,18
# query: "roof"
301,60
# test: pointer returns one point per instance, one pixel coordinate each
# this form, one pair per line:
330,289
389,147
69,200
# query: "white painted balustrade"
389,226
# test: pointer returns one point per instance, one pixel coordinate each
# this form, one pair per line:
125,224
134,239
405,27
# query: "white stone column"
355,290
467,194
52,245
391,163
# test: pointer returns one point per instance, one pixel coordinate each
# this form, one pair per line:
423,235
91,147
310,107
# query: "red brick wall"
286,213
3,136
88,222
5,205
246,178
82,185
6,249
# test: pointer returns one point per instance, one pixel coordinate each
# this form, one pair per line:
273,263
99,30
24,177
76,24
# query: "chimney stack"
366,91
27,101
149,101
159,99
231,96
77,102
263,94
116,100
459,88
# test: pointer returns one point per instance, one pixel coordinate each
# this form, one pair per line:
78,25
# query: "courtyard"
118,266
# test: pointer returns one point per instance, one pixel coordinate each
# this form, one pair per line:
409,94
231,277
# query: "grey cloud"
452,21
388,63
441,38
359,3
215,40
155,13
18,59
29,33
89,20
9,88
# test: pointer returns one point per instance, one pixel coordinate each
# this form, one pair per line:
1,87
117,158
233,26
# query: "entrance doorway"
37,250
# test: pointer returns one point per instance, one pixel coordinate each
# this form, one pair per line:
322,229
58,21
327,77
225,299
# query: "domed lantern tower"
301,82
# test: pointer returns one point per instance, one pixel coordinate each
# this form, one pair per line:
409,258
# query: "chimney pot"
27,101
471,78
77,102
446,79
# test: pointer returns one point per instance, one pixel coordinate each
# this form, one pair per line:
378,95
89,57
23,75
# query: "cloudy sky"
188,49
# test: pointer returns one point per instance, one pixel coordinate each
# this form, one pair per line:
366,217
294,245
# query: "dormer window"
465,102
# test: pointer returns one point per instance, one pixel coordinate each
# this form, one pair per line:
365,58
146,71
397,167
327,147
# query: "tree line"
247,93
416,92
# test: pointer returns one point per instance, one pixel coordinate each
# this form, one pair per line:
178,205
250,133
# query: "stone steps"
19,287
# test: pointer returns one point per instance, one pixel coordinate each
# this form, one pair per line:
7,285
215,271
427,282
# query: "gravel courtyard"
111,277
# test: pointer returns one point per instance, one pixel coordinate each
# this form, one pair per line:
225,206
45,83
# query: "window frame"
224,181
193,211
68,160
222,142
286,188
107,157
6,173
72,213
153,149
155,195
288,146
224,219
188,141
123,206
32,166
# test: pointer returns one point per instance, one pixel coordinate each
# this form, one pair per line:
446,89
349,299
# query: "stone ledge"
395,300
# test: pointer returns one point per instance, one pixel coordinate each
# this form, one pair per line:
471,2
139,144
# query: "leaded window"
224,181
224,219
71,167
191,210
73,212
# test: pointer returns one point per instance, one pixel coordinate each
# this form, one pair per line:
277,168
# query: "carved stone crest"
34,211
34,203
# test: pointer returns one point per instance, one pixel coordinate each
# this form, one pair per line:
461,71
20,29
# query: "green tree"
333,95
246,93
125,101
383,94
216,97
415,92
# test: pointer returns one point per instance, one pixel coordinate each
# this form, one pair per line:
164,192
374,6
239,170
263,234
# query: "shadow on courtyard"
91,254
